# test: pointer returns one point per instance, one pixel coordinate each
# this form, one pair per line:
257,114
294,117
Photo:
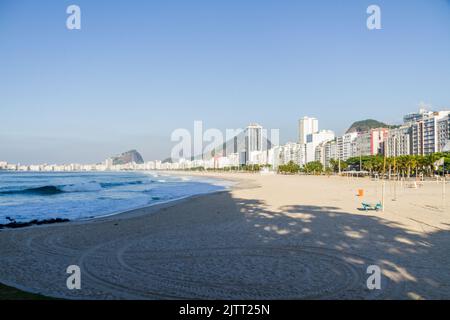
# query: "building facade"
345,145
307,126
313,140
398,142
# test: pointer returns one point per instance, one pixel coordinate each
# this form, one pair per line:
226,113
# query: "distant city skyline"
137,71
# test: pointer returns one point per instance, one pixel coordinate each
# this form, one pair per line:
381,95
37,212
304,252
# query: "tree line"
403,166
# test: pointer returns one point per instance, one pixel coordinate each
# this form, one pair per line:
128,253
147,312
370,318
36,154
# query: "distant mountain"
128,157
366,125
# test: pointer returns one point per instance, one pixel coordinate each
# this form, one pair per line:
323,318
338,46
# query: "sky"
138,70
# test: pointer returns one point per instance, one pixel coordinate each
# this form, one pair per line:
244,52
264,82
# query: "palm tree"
368,165
402,164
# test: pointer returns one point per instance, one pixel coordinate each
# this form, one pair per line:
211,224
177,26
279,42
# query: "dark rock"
15,225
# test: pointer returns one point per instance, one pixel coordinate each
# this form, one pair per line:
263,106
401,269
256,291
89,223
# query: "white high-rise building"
274,156
345,145
417,116
3,165
326,151
369,143
443,127
398,142
254,137
426,134
306,126
313,140
293,152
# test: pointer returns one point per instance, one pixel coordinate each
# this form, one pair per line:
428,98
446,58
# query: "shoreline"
36,223
268,237
30,293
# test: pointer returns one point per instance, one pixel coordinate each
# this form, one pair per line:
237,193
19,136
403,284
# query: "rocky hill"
366,125
128,157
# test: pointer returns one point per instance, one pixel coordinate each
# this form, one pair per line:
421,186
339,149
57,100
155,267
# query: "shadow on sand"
414,265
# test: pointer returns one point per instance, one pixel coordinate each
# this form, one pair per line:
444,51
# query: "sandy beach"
269,237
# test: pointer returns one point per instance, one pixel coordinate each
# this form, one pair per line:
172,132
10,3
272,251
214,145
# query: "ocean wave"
82,187
54,189
119,184
45,190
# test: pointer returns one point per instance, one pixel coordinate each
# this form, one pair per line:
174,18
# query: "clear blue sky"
137,70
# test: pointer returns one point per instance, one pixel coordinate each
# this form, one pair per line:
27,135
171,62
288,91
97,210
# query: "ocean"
27,196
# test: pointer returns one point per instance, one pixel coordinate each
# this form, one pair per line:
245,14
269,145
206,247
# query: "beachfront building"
292,151
331,152
428,133
274,157
443,133
414,117
313,140
369,143
253,138
417,138
233,159
109,163
345,145
326,151
377,138
307,126
398,142
258,157
35,167
361,145
320,153
220,162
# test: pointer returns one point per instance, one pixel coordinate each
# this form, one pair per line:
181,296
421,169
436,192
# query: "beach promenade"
269,237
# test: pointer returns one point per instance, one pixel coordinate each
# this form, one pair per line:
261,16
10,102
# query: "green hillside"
366,125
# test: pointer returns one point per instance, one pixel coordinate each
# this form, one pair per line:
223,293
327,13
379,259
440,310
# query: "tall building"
254,137
292,151
274,157
417,138
398,142
313,140
426,134
370,143
443,127
361,146
377,138
306,126
326,151
345,145
417,116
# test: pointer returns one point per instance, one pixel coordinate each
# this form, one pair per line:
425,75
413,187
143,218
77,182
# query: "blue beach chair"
368,206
